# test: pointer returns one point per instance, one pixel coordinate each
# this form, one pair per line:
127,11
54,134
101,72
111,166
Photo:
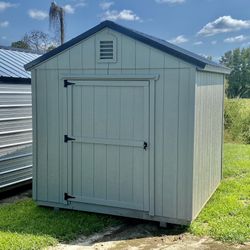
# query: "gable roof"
157,43
12,61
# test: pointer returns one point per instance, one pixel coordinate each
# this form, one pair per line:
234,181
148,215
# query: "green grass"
23,225
226,216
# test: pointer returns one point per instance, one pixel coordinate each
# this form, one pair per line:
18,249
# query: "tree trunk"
62,27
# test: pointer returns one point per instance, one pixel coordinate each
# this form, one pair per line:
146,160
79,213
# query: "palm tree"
56,19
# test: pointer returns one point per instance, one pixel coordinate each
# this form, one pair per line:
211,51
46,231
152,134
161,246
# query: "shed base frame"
114,211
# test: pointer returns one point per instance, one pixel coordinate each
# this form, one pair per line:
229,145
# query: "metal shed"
15,118
126,124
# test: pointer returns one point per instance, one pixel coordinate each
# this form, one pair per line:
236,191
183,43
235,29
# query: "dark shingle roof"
157,43
12,62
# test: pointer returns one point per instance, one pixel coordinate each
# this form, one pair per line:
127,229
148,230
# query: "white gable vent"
106,50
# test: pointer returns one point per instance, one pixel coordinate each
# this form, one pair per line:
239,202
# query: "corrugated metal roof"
162,45
12,62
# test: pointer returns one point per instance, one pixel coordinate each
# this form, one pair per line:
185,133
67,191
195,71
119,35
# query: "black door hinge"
67,196
145,145
67,83
67,138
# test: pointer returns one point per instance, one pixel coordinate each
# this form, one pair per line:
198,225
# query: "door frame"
151,80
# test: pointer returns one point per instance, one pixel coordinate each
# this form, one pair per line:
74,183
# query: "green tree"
238,82
36,40
56,19
20,44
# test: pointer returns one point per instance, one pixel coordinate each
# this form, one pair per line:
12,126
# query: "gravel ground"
144,236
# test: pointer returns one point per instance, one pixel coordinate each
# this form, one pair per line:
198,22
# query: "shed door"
108,160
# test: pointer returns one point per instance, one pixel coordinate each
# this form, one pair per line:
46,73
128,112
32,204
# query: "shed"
15,118
126,124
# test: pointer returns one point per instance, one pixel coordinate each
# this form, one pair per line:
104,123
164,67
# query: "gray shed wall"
174,121
15,134
209,97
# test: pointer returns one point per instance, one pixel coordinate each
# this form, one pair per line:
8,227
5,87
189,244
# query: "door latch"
145,145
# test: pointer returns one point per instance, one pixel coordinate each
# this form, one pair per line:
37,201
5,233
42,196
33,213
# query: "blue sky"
207,27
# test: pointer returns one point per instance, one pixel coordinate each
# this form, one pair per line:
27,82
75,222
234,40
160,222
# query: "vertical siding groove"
119,182
177,149
46,104
94,144
163,136
82,124
106,146
59,133
133,134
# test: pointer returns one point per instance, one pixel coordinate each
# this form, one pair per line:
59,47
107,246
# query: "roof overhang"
221,70
14,80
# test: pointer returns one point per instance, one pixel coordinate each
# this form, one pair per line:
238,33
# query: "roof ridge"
162,45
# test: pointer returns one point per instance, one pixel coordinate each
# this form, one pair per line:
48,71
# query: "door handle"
145,146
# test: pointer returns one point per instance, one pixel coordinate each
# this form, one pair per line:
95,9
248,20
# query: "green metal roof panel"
12,62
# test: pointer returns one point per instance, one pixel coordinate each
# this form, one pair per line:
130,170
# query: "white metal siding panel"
15,134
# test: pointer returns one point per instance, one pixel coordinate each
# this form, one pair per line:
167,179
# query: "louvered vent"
106,50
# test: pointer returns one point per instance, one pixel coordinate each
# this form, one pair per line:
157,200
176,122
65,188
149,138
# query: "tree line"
238,82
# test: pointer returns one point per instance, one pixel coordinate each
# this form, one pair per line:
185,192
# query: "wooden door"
108,160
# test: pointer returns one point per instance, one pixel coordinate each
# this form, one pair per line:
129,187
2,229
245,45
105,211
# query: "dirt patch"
145,236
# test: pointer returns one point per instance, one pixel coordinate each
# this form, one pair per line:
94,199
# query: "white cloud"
127,15
224,24
69,9
179,39
38,14
4,24
81,3
198,43
235,39
4,37
170,1
6,5
214,42
106,5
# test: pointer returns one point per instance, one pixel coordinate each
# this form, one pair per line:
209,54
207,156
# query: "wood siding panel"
88,149
209,94
170,142
185,145
157,64
52,131
34,132
42,135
